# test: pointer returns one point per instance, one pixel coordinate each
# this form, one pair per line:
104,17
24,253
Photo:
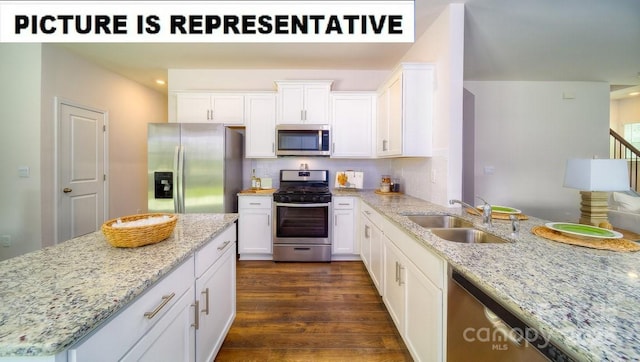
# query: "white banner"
207,21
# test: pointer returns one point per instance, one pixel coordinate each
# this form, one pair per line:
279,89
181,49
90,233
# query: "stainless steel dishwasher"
480,329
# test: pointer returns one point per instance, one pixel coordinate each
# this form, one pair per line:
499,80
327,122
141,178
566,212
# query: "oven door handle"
301,205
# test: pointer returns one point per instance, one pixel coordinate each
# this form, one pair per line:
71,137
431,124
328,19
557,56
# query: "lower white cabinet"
371,245
183,317
345,245
254,227
216,299
171,339
413,284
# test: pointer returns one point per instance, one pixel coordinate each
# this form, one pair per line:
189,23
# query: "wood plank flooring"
310,312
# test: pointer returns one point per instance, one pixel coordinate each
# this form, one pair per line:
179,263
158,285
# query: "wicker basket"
131,237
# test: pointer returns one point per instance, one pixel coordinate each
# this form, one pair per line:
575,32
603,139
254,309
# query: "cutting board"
355,180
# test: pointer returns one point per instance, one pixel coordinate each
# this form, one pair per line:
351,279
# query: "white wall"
439,178
526,131
130,106
623,111
20,146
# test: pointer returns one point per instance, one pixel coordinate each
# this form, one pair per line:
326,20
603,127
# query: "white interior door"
81,175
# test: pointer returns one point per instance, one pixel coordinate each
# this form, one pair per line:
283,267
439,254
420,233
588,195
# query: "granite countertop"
586,301
54,296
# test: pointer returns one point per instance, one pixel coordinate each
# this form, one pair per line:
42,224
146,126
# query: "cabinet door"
254,228
193,108
394,283
343,231
395,118
352,120
216,293
290,103
377,259
227,108
365,241
171,339
260,120
316,104
424,317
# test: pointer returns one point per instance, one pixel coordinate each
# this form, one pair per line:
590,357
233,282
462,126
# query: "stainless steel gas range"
302,207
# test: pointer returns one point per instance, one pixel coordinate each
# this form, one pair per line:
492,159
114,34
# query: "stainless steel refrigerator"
193,168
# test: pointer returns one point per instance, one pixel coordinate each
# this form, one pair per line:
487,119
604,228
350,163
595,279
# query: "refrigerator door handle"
176,179
181,207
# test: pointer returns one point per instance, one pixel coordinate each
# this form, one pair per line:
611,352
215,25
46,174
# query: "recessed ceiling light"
160,82
634,93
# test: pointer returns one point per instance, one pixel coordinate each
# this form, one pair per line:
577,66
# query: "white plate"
583,230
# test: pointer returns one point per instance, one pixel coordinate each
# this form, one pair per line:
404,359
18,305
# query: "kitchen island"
584,300
52,298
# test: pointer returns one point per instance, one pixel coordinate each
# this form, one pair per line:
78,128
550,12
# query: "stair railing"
621,148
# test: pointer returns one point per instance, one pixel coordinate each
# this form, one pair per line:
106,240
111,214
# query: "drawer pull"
255,203
224,245
196,309
165,300
206,301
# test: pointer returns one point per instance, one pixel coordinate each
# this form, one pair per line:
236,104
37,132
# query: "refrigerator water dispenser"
163,182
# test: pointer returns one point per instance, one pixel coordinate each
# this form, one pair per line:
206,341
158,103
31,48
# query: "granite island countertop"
52,297
586,301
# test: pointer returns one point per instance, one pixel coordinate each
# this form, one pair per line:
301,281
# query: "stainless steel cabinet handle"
208,111
301,115
400,269
335,220
367,212
273,147
224,245
268,220
66,190
196,308
255,203
367,230
397,269
206,301
165,300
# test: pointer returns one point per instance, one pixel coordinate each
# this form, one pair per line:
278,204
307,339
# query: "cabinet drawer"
113,340
255,202
212,251
343,202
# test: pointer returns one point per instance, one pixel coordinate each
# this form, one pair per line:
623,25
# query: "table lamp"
595,178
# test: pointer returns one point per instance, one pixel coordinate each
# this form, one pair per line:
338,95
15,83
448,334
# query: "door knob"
66,190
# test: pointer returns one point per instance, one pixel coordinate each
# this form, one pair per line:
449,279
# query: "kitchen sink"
440,221
469,236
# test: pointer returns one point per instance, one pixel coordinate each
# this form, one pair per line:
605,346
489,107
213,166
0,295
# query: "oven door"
302,224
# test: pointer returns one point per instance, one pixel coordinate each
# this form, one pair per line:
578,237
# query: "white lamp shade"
597,174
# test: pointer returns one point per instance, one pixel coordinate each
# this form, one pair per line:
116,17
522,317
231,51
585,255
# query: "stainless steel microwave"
303,140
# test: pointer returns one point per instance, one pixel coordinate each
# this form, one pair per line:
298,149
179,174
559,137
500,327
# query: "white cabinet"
394,283
345,244
405,112
371,245
254,227
171,339
413,284
227,108
260,121
353,116
303,102
215,293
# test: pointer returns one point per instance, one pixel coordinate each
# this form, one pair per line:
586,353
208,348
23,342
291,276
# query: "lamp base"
594,208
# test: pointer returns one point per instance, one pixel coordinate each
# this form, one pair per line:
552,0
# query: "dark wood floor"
310,312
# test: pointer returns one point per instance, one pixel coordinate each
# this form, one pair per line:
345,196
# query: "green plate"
583,230
502,209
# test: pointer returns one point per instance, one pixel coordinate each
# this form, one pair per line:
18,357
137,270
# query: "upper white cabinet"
260,122
226,108
303,102
405,112
353,116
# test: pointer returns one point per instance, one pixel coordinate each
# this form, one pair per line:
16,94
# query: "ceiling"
535,40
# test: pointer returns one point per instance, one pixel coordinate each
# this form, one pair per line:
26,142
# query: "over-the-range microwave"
303,140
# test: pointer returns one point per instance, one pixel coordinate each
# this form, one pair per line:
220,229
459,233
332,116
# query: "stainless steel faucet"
486,212
475,211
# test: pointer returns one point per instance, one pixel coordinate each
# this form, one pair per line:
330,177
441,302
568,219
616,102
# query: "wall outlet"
5,240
